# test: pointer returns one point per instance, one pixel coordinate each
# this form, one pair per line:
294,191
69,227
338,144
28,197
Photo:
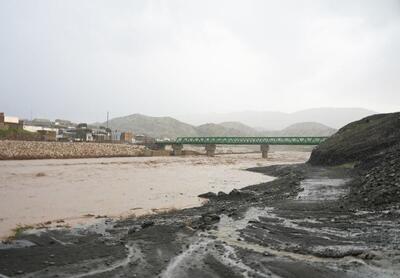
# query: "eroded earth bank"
335,216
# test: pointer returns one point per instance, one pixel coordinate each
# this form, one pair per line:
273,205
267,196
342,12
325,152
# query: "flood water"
77,190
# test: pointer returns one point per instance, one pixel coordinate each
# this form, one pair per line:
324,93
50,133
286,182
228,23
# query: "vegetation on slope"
18,134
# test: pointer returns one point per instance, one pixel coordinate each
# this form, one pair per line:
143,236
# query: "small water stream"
322,189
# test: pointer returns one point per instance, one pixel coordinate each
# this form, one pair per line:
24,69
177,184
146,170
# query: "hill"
358,140
161,127
273,120
158,127
244,129
333,117
372,147
218,130
307,129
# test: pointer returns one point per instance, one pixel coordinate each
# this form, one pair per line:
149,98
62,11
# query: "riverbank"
336,216
18,150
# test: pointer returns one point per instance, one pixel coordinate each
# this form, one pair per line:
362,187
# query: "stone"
132,231
222,194
208,195
210,218
147,224
240,193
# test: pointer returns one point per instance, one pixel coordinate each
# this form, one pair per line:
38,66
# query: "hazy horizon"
191,118
79,59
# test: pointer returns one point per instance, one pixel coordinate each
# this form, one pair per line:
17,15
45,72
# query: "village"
14,128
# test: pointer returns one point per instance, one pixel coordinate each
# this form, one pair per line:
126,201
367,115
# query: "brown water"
75,190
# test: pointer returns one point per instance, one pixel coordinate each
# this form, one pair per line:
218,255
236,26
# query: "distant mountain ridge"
273,120
212,129
167,127
241,127
158,127
307,129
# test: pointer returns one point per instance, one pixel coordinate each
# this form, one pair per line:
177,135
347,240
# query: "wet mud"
298,225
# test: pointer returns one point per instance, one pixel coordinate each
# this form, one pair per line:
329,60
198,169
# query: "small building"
101,134
82,133
126,137
35,128
47,135
115,136
89,137
144,139
7,122
67,135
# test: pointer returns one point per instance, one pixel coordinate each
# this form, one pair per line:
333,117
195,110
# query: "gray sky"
78,59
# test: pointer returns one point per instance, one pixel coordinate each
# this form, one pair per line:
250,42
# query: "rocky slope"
359,140
372,147
378,182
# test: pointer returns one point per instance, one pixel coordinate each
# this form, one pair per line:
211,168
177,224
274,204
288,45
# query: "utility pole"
107,118
108,135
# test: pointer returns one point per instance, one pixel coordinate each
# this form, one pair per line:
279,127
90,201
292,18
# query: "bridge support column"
177,149
264,150
210,149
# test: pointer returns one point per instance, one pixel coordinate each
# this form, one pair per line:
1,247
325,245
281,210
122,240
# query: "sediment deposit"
45,150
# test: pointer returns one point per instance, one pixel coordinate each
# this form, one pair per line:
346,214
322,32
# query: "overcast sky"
79,59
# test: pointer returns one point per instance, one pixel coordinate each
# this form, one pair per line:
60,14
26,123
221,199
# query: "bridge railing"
294,140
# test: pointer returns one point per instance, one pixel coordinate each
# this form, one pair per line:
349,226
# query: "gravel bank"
45,150
372,147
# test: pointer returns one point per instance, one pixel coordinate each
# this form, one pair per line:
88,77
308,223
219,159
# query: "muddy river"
76,191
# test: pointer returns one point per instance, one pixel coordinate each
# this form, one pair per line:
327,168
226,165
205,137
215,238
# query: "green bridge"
211,142
250,140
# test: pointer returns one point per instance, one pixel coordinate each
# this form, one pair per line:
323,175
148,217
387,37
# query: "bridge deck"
246,140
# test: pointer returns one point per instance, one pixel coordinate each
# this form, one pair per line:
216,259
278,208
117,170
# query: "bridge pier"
264,150
177,149
210,149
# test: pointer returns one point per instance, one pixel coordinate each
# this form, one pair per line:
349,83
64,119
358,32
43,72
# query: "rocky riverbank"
48,150
372,147
312,221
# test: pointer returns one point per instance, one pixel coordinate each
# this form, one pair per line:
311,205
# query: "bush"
18,134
